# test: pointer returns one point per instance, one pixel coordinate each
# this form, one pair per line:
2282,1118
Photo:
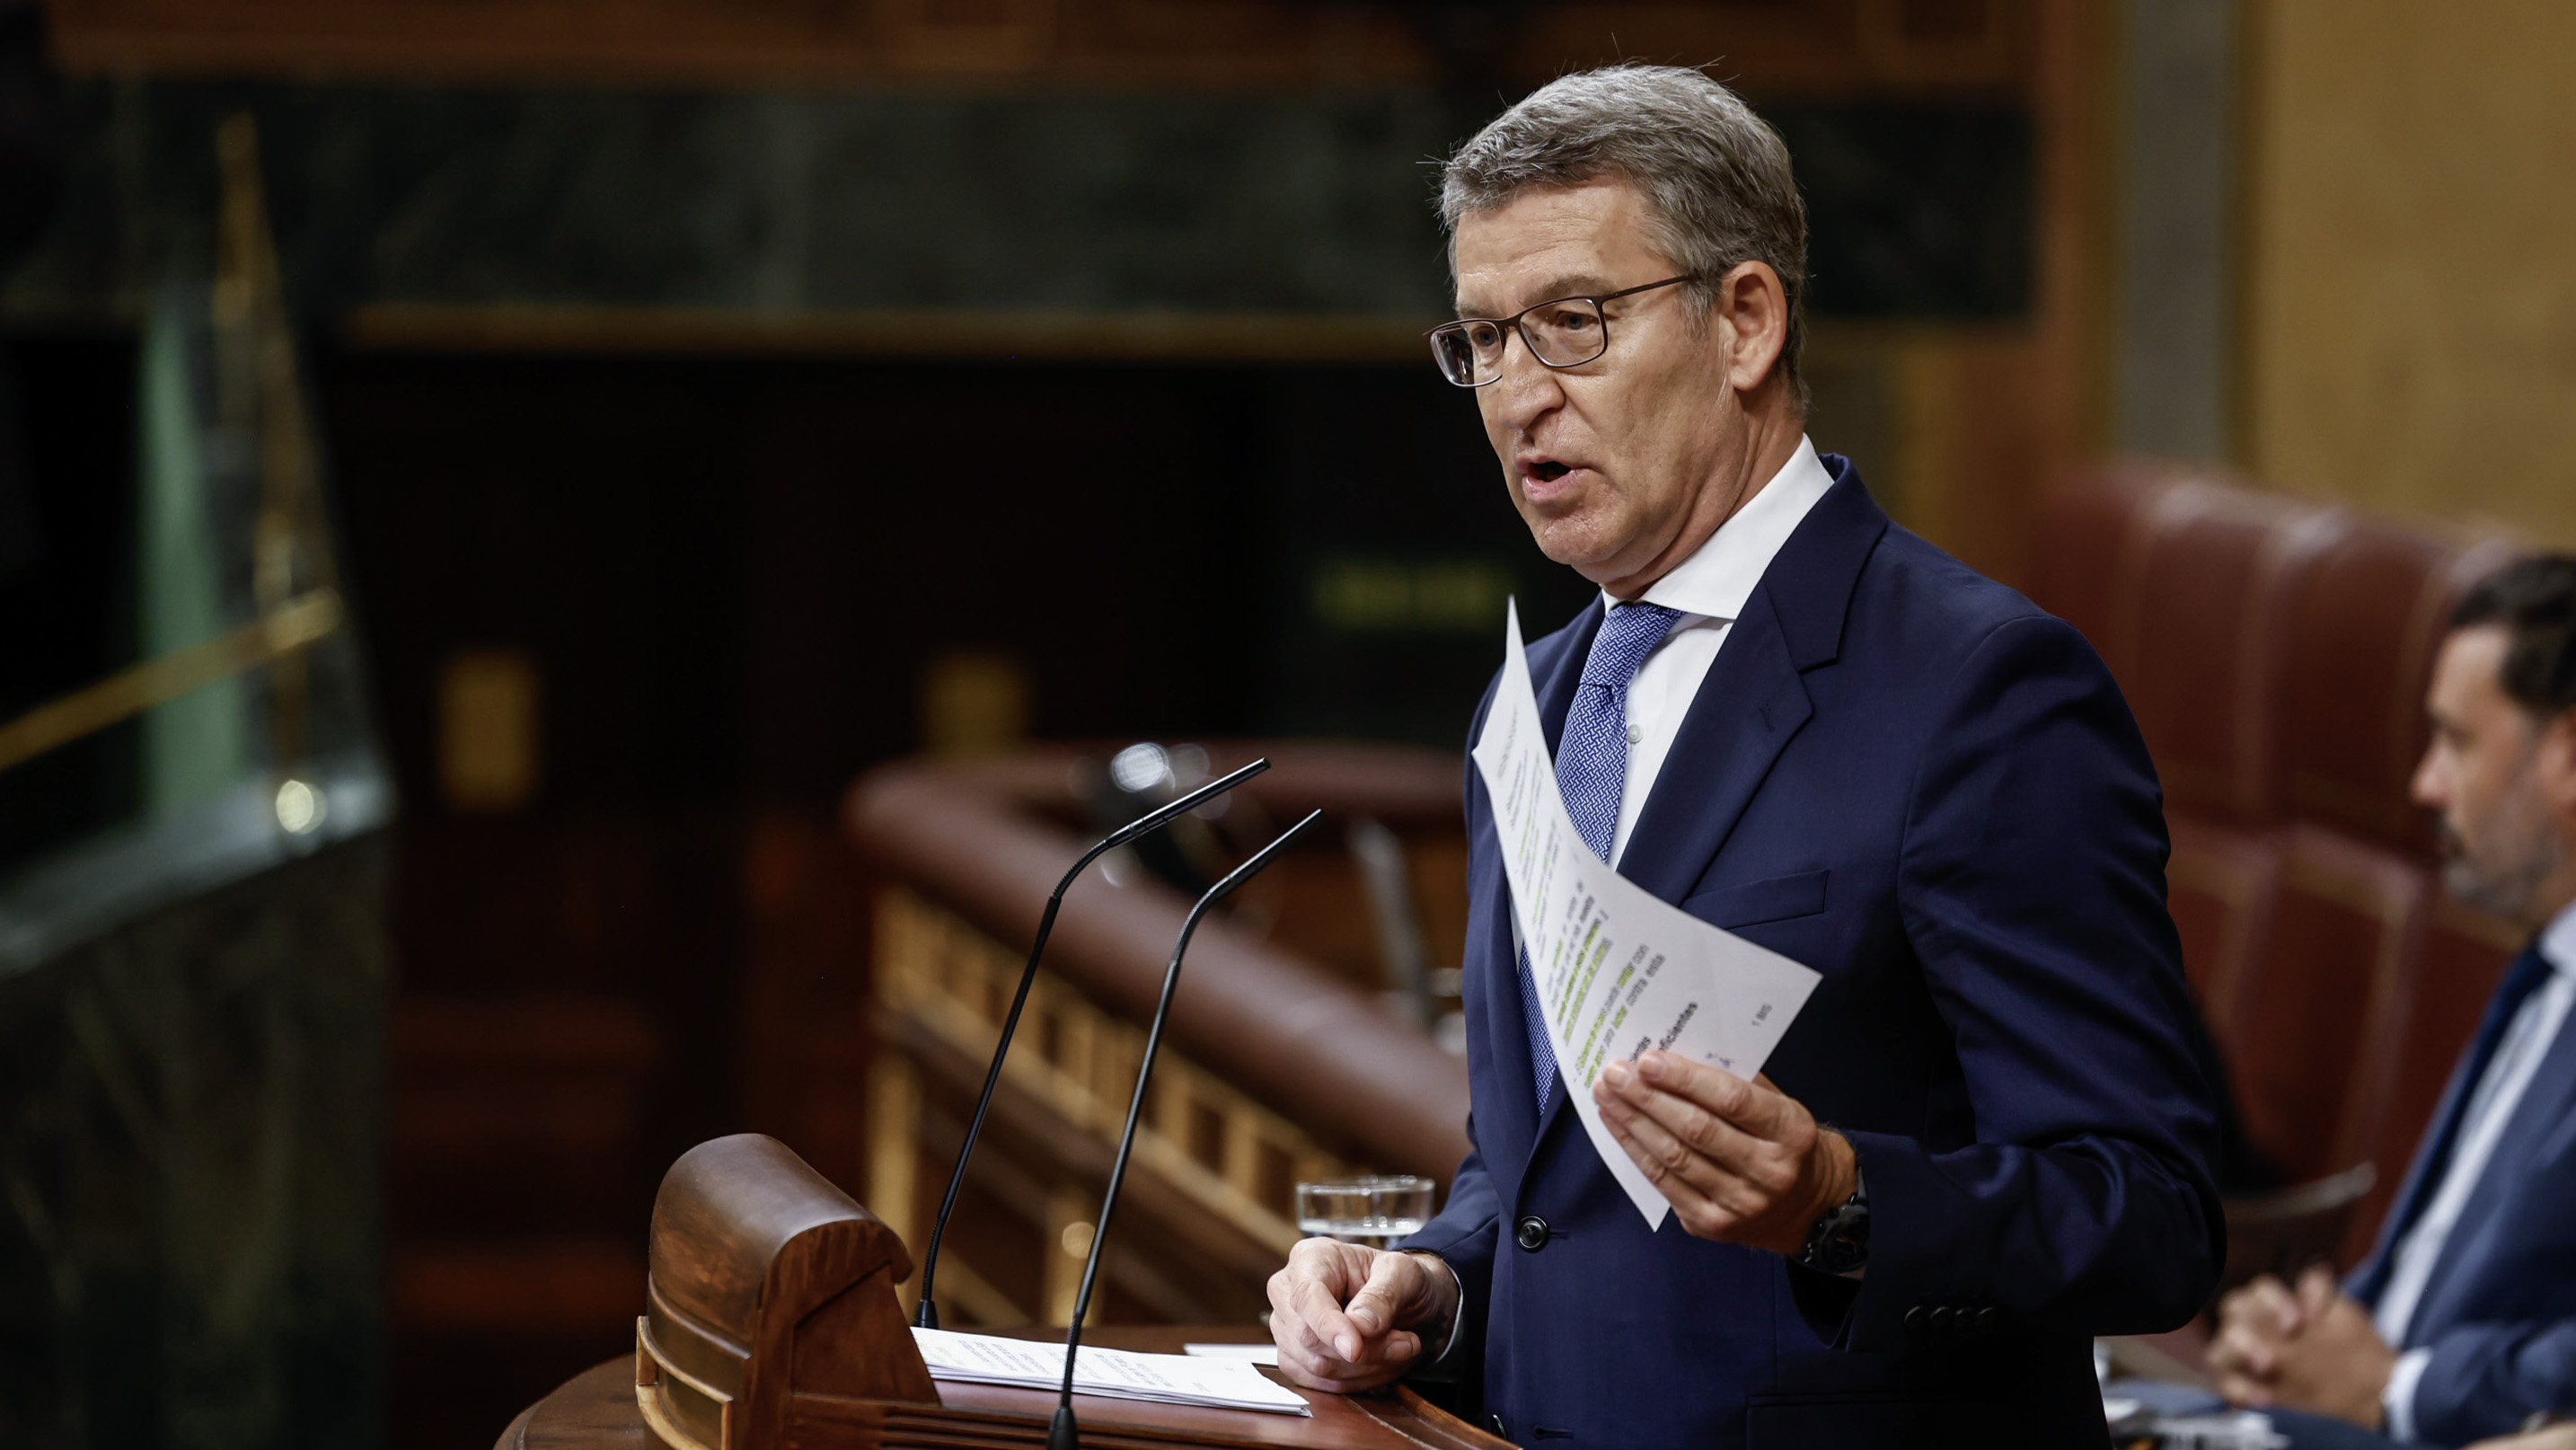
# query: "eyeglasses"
1564,332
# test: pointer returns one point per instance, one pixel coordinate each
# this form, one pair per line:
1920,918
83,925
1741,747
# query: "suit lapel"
1719,756
1753,701
1553,679
2469,1250
2371,1279
1556,668
2433,1154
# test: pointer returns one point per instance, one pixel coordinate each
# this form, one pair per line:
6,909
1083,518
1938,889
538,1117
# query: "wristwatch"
1839,1243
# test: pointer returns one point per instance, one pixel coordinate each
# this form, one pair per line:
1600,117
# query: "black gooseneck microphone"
1062,1434
927,1314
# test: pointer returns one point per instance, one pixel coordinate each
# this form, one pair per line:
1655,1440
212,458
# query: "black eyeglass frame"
1513,323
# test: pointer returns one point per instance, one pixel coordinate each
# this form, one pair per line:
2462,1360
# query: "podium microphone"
1062,1435
927,1314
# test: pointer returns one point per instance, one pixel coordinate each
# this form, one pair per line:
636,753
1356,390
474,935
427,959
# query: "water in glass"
1374,1211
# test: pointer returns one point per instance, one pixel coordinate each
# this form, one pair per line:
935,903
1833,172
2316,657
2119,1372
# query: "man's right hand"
1348,1318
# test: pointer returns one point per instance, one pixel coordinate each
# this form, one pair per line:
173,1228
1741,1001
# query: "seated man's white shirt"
1710,589
2536,1026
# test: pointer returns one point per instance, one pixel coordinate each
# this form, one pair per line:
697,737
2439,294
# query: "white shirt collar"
1718,577
2558,941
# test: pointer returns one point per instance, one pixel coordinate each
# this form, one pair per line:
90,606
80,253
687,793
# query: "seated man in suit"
1986,1136
2463,1320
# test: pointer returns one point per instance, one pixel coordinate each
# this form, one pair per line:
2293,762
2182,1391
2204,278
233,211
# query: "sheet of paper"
1248,1353
1174,1379
1619,969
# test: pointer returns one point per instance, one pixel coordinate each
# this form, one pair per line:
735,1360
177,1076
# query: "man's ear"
1755,309
2554,769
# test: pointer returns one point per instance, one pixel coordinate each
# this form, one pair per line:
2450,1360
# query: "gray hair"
1715,176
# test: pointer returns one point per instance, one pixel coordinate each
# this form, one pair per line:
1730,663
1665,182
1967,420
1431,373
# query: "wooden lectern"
770,1323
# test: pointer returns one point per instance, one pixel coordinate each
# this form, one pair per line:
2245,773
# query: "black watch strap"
1839,1242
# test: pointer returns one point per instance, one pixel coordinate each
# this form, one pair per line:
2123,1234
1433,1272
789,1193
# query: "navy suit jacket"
2499,1312
1911,779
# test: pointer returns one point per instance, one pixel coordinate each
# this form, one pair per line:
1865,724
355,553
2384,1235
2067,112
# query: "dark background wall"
734,574
66,571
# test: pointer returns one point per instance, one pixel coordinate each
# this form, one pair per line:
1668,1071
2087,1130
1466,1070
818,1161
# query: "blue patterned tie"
1592,770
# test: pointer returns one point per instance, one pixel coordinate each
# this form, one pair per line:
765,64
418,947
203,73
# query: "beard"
2514,851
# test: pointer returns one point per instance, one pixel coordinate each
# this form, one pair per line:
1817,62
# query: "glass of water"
1373,1211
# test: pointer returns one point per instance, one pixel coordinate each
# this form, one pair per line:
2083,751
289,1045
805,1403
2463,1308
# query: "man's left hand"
1741,1162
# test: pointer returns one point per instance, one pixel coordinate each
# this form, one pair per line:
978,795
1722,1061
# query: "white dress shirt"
2526,1042
1710,589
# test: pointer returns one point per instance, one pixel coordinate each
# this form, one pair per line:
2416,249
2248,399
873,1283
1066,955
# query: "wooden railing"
1275,1067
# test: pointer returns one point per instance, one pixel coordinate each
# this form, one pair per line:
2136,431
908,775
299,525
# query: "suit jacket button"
1945,1322
1497,1422
1530,1233
1918,1319
1989,1319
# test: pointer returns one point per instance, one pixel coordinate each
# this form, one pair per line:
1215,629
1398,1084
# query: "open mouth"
1550,471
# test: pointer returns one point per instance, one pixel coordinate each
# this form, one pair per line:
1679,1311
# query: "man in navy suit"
2462,1322
1985,1138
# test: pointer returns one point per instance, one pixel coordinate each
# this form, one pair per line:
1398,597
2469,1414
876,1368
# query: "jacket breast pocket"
1776,898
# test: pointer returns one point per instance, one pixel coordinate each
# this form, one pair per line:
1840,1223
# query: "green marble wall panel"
1308,203
1315,202
191,1136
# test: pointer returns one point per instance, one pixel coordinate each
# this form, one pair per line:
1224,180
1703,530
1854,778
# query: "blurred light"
1451,1033
1076,1239
300,808
1140,767
1369,596
974,704
489,729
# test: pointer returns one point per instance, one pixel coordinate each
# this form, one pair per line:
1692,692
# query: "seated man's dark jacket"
2499,1312
1912,780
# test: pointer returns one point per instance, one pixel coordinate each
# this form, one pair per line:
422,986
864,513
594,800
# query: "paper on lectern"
1619,969
1170,1379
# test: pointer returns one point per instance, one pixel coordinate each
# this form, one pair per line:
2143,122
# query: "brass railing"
1275,1068
1231,1157
288,630
259,396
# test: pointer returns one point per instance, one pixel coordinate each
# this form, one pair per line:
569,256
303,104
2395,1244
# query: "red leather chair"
2162,570
2361,631
2345,928
2198,642
2275,652
2221,886
2082,535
